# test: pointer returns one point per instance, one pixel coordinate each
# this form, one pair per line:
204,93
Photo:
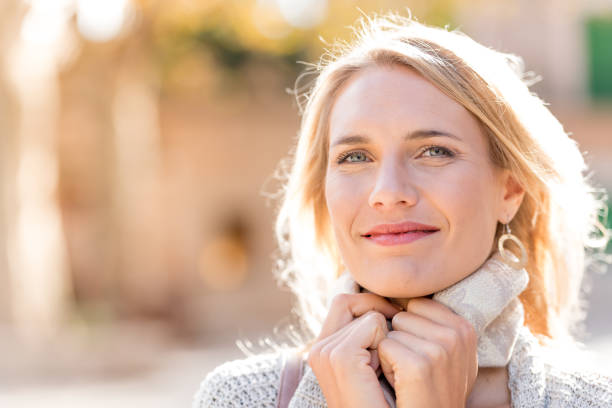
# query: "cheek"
470,205
344,195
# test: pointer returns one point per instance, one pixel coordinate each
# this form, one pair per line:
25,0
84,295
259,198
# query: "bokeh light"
140,139
303,13
102,20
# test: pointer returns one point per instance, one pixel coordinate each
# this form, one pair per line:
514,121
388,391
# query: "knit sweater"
535,380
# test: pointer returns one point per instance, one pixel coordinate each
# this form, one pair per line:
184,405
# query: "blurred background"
138,145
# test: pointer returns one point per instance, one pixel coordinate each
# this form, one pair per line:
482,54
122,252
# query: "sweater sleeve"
542,379
252,382
578,388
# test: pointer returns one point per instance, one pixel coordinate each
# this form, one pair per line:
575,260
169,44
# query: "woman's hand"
430,356
344,357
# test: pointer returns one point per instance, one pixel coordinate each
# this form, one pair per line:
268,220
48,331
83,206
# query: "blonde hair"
559,212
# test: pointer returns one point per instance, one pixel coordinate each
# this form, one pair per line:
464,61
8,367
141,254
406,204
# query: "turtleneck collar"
486,298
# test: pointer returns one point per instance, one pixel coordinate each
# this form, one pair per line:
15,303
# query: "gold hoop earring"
508,256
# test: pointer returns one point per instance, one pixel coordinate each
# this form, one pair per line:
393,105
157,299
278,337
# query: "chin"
396,285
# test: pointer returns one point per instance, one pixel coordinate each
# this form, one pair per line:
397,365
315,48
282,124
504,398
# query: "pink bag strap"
290,378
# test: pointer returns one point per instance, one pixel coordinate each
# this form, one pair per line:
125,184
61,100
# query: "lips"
400,228
398,234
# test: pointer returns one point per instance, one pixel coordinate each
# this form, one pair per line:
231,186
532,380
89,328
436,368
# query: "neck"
402,302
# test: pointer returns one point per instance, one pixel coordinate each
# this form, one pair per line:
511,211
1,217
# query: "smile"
399,238
399,234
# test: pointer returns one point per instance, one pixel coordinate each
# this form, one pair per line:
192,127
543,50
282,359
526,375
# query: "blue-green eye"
437,151
352,157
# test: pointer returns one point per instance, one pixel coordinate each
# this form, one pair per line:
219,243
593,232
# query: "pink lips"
398,234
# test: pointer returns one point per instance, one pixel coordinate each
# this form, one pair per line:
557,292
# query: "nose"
393,188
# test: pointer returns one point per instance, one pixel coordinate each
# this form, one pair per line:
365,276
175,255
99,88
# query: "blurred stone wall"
167,137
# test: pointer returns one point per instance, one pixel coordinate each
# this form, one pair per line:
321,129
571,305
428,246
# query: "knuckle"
314,356
383,345
438,353
414,304
395,321
467,330
335,357
450,339
322,357
393,334
375,317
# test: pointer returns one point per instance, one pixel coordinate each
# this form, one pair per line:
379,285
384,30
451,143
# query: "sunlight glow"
101,20
303,13
269,21
45,22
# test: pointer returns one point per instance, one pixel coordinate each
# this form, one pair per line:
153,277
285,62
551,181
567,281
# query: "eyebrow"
417,134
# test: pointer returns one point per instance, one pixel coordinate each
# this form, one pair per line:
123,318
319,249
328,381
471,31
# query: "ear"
512,194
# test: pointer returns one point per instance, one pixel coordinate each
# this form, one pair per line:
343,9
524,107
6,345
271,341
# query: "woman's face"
413,197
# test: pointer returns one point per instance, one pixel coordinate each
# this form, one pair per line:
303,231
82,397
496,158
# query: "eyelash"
342,157
449,153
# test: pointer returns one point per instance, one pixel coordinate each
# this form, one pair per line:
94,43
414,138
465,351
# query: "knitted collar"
486,298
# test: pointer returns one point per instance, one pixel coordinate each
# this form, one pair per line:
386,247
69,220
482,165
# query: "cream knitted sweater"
535,380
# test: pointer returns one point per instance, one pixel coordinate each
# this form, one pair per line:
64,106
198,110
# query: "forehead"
388,98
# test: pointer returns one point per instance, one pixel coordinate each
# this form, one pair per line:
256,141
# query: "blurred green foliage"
599,36
607,222
234,33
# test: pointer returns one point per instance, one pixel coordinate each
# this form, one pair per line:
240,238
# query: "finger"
321,351
422,327
399,363
433,311
439,354
461,330
367,331
344,356
322,359
353,342
319,358
346,307
434,352
375,362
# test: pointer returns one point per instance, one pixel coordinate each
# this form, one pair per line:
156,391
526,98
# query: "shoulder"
578,387
250,382
542,378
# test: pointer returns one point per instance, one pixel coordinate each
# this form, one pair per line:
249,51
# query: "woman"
428,186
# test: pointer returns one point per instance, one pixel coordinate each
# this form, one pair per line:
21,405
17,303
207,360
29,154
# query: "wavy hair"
556,220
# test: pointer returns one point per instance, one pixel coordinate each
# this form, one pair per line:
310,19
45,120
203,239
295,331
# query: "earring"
508,256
